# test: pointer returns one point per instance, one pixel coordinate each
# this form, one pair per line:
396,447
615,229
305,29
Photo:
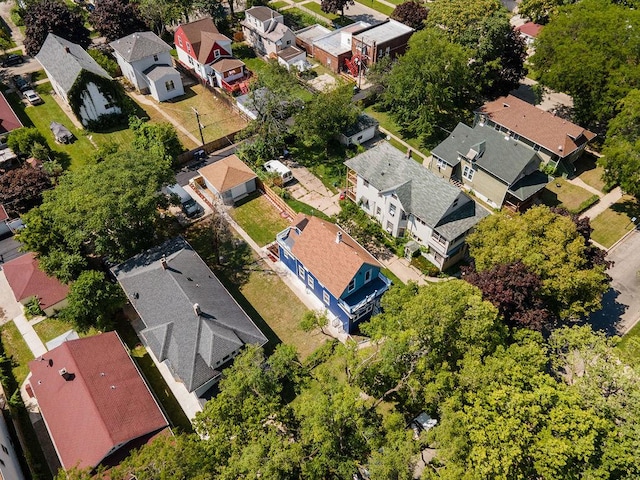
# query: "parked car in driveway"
32,97
12,60
21,83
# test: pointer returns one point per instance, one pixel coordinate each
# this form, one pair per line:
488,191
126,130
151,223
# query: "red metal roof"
8,119
27,280
100,404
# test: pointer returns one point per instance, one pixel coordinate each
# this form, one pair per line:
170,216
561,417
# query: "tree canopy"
590,50
159,139
549,245
115,19
335,6
21,188
106,209
430,88
411,13
52,16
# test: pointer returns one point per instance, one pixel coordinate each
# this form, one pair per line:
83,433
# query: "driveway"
309,189
621,304
9,308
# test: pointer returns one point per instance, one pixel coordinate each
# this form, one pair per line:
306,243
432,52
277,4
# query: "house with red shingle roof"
337,269
94,402
553,137
27,281
529,32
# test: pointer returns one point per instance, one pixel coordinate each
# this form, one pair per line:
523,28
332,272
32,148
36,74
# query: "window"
155,58
169,85
441,164
365,204
325,297
455,202
536,147
328,62
378,210
300,271
468,173
365,183
439,238
352,284
4,449
180,41
288,42
191,60
359,138
216,53
311,282
188,47
389,227
392,210
107,106
367,276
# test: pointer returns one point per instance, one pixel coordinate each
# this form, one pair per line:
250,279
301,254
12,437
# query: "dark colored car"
12,60
90,7
21,83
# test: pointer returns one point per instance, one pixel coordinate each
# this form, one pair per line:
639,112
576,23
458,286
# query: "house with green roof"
408,199
499,169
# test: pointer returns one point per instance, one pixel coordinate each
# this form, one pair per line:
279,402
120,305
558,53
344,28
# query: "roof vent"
338,237
66,49
163,262
196,309
560,147
62,372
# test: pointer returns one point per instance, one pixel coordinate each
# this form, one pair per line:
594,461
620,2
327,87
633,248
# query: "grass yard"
296,19
315,8
389,124
615,221
629,346
259,218
392,276
16,348
377,6
155,116
215,117
561,193
278,4
590,172
51,328
301,207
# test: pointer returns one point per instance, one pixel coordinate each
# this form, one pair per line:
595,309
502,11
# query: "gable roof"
420,191
530,29
202,35
100,403
543,128
262,13
27,280
500,155
332,263
139,45
195,346
225,64
158,72
64,61
8,119
227,173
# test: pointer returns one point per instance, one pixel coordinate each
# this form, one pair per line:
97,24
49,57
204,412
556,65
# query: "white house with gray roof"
264,30
191,322
145,61
78,80
500,169
409,200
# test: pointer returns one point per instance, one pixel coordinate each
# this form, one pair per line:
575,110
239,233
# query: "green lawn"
297,19
378,6
615,221
16,348
259,218
389,124
392,276
590,172
315,7
560,193
629,346
301,207
51,328
278,4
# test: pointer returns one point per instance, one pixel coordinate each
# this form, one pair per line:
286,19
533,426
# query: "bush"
32,308
16,16
592,200
106,62
425,266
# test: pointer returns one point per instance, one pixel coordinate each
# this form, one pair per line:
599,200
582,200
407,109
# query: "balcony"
365,294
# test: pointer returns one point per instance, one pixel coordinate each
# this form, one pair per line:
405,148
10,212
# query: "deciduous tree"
21,188
115,19
52,16
22,140
158,138
411,13
335,6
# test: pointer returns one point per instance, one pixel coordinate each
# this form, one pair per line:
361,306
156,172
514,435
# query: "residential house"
230,179
362,131
94,402
264,30
27,281
554,138
145,60
409,200
8,122
191,325
9,461
78,80
332,265
200,45
389,38
497,168
334,48
529,32
293,57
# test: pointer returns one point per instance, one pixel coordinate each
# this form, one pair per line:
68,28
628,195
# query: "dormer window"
155,58
367,276
216,53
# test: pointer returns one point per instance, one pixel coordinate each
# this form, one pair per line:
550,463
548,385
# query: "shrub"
32,308
106,62
16,16
425,266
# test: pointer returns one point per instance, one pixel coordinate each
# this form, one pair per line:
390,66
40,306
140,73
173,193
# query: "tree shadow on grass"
628,207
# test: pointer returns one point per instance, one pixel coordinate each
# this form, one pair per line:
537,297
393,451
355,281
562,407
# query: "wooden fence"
208,147
276,200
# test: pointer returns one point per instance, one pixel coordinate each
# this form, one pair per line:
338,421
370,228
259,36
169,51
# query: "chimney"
196,309
338,237
163,262
66,49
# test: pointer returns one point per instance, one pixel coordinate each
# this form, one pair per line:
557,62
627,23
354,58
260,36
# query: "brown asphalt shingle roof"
202,34
226,64
543,128
227,173
332,264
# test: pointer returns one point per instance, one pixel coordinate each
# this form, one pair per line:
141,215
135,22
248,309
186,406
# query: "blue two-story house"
338,270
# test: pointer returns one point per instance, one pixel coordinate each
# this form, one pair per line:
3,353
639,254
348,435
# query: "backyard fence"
276,200
208,147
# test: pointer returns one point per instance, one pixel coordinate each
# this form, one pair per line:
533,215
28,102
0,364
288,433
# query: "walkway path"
605,202
578,182
30,336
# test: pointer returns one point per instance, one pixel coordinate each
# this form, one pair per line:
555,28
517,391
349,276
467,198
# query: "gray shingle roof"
461,220
194,346
421,192
157,72
64,61
529,185
139,45
364,121
503,157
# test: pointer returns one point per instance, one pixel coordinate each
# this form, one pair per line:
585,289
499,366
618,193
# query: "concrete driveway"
309,189
621,304
9,308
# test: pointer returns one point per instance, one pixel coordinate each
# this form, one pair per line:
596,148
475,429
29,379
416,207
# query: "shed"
61,133
230,179
363,130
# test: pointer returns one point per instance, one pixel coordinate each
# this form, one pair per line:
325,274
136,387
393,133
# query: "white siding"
94,104
10,466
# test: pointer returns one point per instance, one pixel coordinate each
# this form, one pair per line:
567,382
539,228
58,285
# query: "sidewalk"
605,202
30,336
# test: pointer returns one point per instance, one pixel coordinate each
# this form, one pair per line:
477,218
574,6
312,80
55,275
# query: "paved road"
621,304
190,170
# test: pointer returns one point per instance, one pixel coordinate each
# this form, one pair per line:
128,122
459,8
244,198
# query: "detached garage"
230,179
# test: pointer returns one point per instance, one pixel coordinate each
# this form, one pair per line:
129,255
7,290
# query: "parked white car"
32,97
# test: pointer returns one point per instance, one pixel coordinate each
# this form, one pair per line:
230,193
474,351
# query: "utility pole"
199,124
